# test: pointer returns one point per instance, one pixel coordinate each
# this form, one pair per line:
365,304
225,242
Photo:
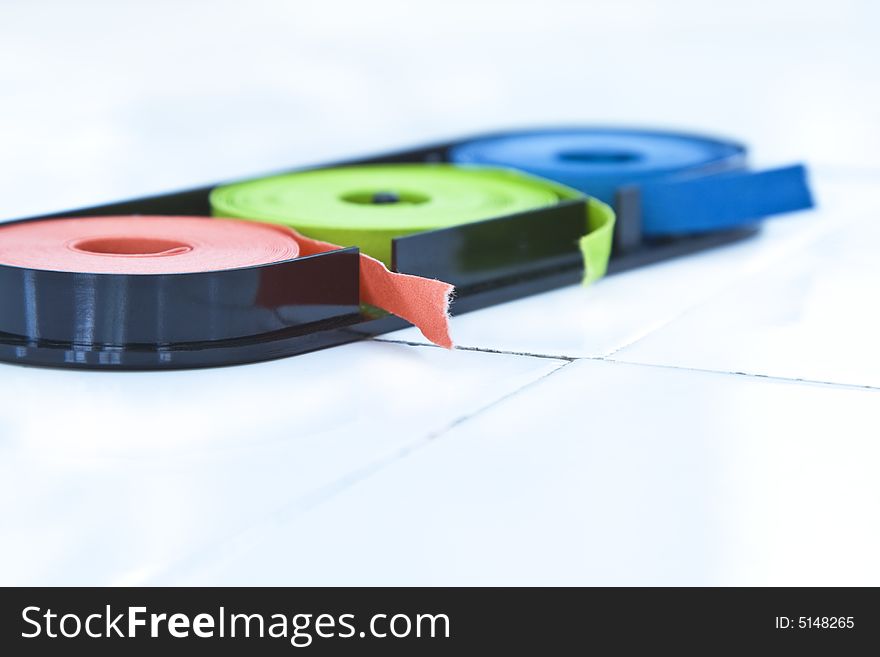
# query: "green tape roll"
368,206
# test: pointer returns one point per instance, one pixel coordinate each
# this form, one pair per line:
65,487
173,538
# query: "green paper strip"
345,205
596,244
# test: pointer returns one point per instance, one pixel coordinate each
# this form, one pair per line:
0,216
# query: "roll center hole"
599,156
384,197
131,246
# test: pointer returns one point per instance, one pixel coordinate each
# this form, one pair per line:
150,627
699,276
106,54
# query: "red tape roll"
174,245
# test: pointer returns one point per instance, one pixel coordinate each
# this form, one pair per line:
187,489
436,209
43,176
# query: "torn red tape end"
424,302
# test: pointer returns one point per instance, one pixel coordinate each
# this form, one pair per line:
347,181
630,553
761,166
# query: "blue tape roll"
687,184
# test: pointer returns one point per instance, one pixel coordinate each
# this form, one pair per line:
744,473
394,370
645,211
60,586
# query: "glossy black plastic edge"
184,356
500,252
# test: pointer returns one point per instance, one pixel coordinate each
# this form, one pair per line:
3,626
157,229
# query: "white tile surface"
604,474
107,478
679,476
814,316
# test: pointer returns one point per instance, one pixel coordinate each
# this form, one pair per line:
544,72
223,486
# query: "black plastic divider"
490,262
496,252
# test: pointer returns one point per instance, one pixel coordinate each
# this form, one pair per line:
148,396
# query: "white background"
710,421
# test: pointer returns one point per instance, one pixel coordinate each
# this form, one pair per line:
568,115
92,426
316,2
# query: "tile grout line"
479,349
608,358
750,375
436,434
